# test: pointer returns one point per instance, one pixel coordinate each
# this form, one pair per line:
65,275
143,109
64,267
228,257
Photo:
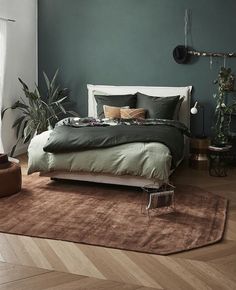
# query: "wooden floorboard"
12,272
34,263
14,277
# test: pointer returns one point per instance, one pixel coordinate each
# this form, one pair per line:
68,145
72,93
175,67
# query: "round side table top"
219,149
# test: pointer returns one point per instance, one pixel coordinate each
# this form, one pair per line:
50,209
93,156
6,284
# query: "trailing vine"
223,111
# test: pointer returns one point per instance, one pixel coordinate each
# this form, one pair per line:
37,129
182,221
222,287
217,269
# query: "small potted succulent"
223,111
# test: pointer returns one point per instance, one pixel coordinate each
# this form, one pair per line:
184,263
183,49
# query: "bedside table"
218,157
198,153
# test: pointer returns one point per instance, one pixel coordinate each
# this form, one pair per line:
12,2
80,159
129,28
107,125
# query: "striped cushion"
112,112
132,113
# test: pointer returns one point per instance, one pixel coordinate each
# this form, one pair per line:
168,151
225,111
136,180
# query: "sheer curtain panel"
3,41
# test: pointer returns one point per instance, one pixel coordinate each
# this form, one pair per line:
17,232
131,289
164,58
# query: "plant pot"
3,158
10,176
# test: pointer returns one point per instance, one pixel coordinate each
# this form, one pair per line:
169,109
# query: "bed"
132,164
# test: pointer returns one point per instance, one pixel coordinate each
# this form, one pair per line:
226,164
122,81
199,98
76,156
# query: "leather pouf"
10,177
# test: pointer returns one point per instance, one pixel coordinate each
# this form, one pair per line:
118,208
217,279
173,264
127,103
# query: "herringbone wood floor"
34,264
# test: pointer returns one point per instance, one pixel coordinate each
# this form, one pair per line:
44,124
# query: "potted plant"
223,111
39,112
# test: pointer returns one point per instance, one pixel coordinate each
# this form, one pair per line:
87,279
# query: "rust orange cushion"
132,113
112,112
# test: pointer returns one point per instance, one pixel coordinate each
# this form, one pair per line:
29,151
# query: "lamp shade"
194,109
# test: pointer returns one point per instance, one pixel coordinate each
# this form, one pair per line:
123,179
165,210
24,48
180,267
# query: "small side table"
218,163
198,153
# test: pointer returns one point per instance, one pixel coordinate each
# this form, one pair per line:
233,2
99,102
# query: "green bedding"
68,138
151,160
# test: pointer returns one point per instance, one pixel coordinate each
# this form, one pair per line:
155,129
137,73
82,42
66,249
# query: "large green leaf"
54,94
54,79
34,96
73,113
49,109
23,128
19,104
18,130
59,101
37,92
4,111
28,131
18,121
27,139
63,93
13,150
47,81
62,108
24,84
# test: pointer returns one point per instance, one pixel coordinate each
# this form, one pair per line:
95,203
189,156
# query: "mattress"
151,160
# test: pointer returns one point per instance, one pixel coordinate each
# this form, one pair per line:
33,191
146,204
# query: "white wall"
21,59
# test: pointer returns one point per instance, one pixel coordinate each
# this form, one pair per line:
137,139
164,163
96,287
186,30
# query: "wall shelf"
211,54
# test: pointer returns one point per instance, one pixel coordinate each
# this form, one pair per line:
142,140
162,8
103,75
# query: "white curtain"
3,45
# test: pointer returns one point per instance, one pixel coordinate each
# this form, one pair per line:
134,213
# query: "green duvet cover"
151,160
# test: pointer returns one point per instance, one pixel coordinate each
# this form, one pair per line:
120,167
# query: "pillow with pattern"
132,113
112,112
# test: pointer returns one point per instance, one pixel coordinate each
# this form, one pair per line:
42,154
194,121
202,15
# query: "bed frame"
137,181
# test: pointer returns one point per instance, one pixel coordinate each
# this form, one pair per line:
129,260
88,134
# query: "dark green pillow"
115,101
158,107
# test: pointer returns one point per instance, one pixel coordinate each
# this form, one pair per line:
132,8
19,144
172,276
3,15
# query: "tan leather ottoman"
10,177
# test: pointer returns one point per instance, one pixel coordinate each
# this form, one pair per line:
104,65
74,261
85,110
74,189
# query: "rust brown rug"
111,216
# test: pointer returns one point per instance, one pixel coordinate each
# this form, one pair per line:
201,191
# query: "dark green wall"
130,42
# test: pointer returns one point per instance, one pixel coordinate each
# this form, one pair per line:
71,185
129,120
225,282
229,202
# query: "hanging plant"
223,112
226,79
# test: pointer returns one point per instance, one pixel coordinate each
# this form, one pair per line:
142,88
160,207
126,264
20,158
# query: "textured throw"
111,112
111,216
132,113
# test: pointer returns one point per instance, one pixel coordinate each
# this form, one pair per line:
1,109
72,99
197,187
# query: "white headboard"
185,92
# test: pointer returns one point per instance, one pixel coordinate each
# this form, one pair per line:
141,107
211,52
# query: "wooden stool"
10,177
